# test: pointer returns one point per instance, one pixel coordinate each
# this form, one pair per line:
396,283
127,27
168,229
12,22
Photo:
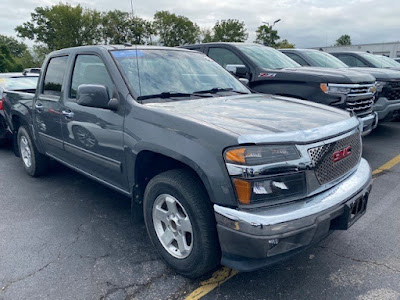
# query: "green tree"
284,44
206,35
267,36
344,40
17,49
115,27
175,30
141,31
120,28
62,26
7,61
230,30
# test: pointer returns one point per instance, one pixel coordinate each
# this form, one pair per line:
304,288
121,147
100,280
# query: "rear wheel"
34,162
180,223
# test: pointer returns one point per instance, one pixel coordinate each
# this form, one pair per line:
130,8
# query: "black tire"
184,186
39,162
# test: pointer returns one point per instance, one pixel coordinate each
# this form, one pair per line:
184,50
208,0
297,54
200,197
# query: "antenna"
132,8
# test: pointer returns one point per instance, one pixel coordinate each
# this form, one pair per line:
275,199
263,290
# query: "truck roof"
220,43
116,47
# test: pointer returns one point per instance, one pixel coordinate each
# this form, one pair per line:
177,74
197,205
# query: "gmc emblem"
338,155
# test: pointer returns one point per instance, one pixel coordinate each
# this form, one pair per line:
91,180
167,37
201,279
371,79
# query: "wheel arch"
161,162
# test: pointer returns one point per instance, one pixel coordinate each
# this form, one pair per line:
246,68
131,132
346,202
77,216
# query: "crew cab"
13,83
271,72
220,174
387,100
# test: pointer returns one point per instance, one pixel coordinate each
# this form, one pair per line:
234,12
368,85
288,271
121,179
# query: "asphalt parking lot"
63,236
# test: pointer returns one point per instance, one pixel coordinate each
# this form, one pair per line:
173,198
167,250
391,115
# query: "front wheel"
180,223
34,162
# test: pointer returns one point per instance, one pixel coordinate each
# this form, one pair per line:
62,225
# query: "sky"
306,23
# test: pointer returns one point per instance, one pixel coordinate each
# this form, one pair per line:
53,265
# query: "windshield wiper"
164,95
213,91
217,90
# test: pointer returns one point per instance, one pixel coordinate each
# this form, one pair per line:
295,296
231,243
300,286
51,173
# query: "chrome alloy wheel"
172,225
25,151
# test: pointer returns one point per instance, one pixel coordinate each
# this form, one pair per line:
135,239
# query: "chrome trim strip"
355,85
301,209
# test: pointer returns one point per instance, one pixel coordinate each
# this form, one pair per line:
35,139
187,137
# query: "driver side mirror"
94,95
237,70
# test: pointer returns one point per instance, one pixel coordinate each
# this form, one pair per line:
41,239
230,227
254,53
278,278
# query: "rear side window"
90,69
54,77
224,57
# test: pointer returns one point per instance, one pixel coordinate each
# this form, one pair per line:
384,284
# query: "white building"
387,49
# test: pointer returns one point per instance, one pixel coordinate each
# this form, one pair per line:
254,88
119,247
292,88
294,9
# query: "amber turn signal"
324,87
243,190
235,155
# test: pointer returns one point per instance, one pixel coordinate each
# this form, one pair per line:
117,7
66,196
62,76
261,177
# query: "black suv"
387,104
271,72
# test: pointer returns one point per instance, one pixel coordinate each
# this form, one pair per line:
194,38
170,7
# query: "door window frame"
49,97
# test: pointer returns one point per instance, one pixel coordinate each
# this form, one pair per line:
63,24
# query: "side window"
360,63
90,69
347,59
351,60
297,59
54,76
224,57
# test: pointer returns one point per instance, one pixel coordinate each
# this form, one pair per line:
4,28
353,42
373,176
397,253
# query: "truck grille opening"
392,91
360,100
327,166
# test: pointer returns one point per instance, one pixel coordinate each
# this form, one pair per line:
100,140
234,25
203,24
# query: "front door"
48,107
93,137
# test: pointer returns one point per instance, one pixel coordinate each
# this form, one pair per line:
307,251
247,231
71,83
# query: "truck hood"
254,114
379,73
320,75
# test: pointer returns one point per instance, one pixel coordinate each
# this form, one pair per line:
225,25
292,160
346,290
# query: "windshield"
173,72
19,83
266,57
378,61
390,61
323,59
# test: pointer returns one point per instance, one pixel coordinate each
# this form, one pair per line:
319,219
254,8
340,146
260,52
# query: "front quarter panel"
193,144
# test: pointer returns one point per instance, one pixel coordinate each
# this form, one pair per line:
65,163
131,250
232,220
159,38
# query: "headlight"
261,155
252,187
380,85
271,189
326,88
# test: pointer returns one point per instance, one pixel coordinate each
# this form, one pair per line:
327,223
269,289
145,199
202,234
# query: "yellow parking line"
206,286
225,273
390,164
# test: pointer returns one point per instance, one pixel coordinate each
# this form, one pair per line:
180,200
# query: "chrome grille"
326,170
360,100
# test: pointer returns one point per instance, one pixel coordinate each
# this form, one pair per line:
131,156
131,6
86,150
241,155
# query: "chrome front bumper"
247,237
369,123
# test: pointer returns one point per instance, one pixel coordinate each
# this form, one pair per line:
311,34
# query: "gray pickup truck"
221,175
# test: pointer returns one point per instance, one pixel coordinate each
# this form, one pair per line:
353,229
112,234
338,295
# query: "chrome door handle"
68,114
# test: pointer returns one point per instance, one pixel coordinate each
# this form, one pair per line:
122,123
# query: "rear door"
93,137
48,106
